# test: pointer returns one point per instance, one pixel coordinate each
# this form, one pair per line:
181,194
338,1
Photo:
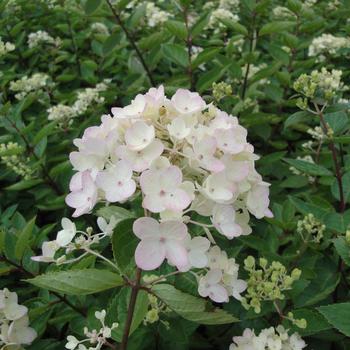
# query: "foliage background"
265,103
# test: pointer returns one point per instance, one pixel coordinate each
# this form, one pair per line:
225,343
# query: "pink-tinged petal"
198,259
146,228
176,253
201,244
75,199
213,164
80,211
171,177
173,230
149,182
75,182
153,203
177,200
214,276
149,254
268,213
218,293
120,194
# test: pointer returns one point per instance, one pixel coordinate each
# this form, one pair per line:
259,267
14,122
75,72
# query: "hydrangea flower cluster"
97,338
268,339
266,282
327,44
181,155
227,10
14,322
41,37
64,114
26,85
5,47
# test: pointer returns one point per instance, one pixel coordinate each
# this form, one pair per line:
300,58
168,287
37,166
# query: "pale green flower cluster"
221,90
319,87
282,12
155,15
11,154
99,28
227,10
5,47
310,229
266,282
26,85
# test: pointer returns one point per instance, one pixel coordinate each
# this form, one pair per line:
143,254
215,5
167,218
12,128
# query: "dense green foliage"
259,58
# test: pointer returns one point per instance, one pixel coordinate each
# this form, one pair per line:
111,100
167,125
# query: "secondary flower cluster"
5,47
269,339
310,229
97,338
64,114
26,85
327,44
41,37
14,322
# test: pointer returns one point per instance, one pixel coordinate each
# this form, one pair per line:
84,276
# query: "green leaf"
207,79
24,185
175,53
45,131
205,56
24,238
91,6
276,27
177,28
124,243
235,26
338,316
119,213
78,282
343,249
308,168
346,187
306,208
111,43
315,322
191,308
297,118
338,222
118,308
200,25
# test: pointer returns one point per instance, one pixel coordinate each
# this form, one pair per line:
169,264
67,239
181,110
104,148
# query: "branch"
132,42
131,308
333,150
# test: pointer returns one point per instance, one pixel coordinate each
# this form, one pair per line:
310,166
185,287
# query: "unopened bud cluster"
310,229
156,307
41,37
221,90
266,282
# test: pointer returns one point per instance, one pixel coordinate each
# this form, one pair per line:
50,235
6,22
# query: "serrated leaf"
177,28
191,308
343,249
24,238
308,168
276,27
78,282
91,6
175,53
119,213
45,131
338,316
205,56
338,222
296,118
24,185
